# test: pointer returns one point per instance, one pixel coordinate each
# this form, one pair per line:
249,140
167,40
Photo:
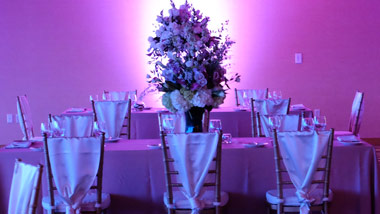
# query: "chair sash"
272,106
24,182
75,125
301,153
74,165
289,122
193,154
25,117
111,115
244,95
356,113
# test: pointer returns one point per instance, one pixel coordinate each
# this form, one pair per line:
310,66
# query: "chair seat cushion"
88,203
180,201
342,133
291,199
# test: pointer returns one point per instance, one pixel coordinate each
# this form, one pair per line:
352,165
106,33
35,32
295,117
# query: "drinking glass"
168,125
227,138
246,99
94,97
320,123
274,122
215,126
307,124
133,96
45,128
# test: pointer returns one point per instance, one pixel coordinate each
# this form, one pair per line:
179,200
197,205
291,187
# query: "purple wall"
59,52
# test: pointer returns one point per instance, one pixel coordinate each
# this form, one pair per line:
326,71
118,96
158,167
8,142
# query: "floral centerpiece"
187,61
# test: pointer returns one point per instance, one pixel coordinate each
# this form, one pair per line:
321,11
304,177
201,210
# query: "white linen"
25,178
288,122
301,152
111,116
25,117
355,113
193,154
348,138
74,164
272,106
74,125
179,122
245,95
115,95
299,107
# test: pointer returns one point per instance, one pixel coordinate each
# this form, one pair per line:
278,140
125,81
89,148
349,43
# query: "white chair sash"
353,126
301,153
111,114
272,106
193,154
74,165
245,95
288,122
25,178
75,125
115,95
25,117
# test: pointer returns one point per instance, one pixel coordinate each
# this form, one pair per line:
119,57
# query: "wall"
59,52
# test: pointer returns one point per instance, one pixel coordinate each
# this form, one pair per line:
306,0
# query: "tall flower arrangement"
187,59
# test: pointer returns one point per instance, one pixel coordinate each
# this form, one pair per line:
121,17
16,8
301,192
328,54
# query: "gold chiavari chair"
25,117
253,93
95,201
25,189
356,116
175,201
284,199
266,107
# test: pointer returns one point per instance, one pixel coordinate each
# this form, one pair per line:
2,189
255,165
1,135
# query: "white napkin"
348,138
73,110
19,144
298,106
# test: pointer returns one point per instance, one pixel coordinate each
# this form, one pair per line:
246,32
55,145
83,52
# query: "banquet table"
134,176
237,121
144,124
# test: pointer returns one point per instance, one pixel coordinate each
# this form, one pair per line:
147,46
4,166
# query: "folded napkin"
19,144
348,138
298,106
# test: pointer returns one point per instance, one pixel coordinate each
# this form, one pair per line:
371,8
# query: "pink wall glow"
60,52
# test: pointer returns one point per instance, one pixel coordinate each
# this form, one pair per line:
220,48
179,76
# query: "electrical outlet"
9,118
298,58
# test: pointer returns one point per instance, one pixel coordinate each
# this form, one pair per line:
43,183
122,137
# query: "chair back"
25,189
192,162
288,122
303,160
74,166
242,96
271,106
177,122
25,117
113,117
74,125
120,95
356,113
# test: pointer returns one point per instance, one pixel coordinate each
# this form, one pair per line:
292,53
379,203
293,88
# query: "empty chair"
303,162
74,166
242,96
74,125
192,164
26,184
287,122
113,117
267,107
120,95
356,116
25,117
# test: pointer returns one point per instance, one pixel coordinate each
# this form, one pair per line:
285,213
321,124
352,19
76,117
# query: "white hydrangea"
166,101
202,98
179,102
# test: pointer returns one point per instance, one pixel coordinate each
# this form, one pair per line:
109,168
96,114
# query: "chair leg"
217,210
279,209
325,207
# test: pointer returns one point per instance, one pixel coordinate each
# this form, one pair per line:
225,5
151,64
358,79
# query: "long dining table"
134,176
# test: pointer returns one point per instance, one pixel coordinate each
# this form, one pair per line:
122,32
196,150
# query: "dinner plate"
19,144
162,111
255,144
350,143
76,110
154,146
37,149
